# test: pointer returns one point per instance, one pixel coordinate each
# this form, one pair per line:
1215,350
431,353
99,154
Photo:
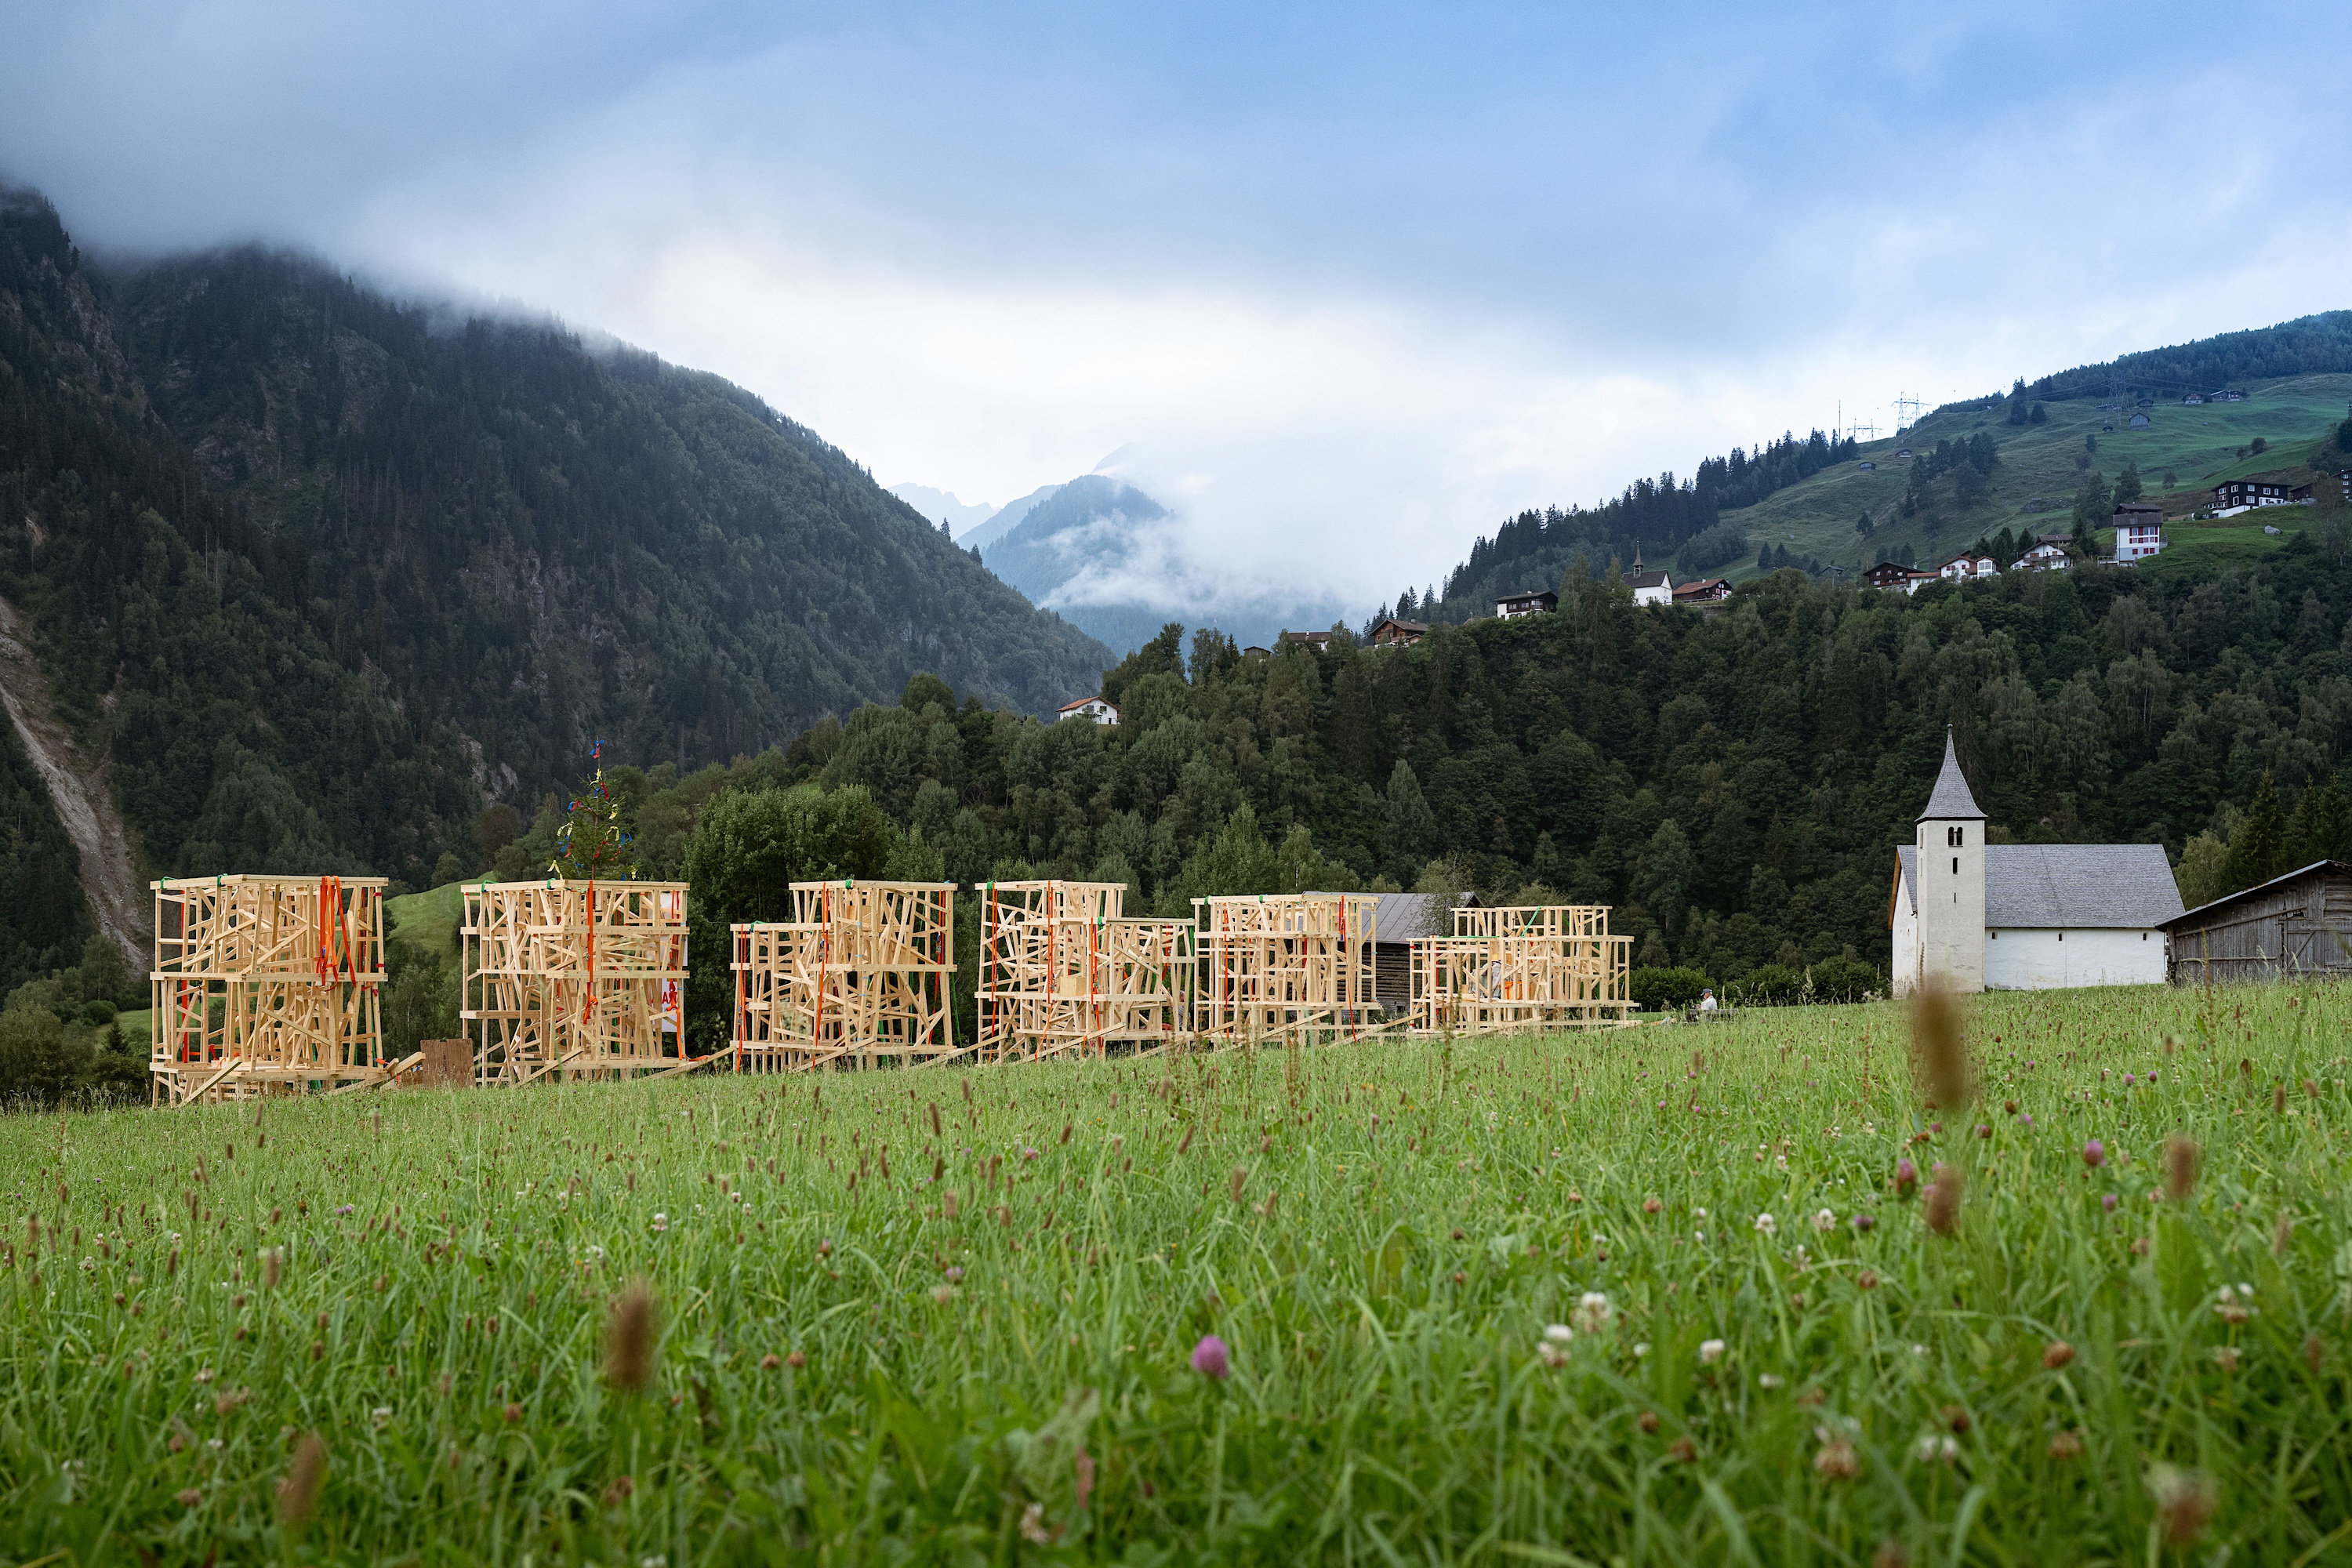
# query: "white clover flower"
1767,1380
1935,1446
1641,1349
1766,1225
1559,1334
1825,1221
1550,1355
1710,1352
1593,1312
382,1414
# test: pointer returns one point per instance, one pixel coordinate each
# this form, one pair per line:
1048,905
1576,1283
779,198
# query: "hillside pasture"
1650,1296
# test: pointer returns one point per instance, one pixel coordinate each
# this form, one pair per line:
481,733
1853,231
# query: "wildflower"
1550,1355
1836,1460
1683,1450
1867,1279
2095,1153
2180,1161
2184,1503
2067,1445
771,1361
1861,1222
1559,1334
2231,1310
1033,1525
297,1494
1954,1417
1768,1380
1935,1446
1710,1352
954,1274
2226,1357
1643,1349
629,1331
1028,1153
273,1266
1647,1421
1593,1312
2056,1354
797,1360
2026,1119
1825,1221
1944,1200
944,1294
346,1209
661,1222
1907,1177
1764,1224
1651,1205
2284,1236
2107,1202
1937,1057
190,1497
1209,1357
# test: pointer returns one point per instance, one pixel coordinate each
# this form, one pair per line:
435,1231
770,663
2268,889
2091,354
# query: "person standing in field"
1707,999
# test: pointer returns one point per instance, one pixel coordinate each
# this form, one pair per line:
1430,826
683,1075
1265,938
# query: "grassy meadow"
1504,1301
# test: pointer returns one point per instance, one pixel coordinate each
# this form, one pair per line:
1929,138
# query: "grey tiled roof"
1951,799
2075,887
1402,917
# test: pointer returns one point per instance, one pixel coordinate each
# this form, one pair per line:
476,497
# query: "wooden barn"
2300,924
1405,919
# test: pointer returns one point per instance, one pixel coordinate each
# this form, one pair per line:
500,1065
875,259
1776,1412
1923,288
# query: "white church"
2023,917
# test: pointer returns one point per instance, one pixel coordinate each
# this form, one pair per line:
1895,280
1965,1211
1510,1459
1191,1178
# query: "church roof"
1951,800
2074,887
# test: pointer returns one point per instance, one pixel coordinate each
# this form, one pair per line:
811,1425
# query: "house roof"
1403,917
2041,887
1645,579
1400,626
1950,800
1081,702
2191,916
1531,594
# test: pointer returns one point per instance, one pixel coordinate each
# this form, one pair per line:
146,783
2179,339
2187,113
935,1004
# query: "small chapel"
2022,917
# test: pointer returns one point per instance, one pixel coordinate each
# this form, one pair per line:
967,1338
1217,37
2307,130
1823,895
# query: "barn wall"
2018,960
2290,930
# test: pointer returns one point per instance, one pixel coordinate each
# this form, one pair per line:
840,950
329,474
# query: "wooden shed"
2300,924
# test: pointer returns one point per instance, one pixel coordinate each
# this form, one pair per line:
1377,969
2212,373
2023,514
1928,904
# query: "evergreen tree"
1864,526
2128,485
2258,849
2322,825
592,842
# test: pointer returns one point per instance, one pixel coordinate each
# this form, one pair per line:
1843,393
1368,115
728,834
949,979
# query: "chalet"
2139,422
1390,632
2045,557
2231,494
1706,593
2291,926
1902,451
1528,602
2225,396
1960,568
1254,651
1093,708
2023,917
1399,921
2192,399
1887,574
1649,587
2139,533
1319,641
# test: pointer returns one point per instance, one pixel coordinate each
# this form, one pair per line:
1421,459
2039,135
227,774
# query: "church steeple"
1950,800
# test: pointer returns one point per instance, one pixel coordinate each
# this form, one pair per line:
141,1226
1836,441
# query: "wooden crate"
266,984
575,979
857,977
1516,968
1062,972
1277,962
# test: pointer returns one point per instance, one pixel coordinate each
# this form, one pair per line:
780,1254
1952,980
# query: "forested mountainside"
320,572
1735,784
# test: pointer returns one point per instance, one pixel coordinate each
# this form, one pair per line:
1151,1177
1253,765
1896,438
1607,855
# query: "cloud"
1343,286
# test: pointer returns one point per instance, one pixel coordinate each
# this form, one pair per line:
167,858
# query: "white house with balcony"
1093,708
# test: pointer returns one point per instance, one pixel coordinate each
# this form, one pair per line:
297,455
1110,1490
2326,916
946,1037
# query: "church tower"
1951,859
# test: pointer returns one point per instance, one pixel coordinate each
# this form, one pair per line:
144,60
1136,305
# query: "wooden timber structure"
1062,972
858,977
1275,964
1512,968
573,979
266,985
2297,925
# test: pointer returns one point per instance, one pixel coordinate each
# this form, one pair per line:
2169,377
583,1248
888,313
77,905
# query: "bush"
41,1064
1717,546
1772,985
1658,990
1843,980
98,1013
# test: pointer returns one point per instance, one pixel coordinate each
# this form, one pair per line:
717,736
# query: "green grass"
427,921
448,1260
2199,445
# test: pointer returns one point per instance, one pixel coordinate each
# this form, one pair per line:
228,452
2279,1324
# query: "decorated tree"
592,843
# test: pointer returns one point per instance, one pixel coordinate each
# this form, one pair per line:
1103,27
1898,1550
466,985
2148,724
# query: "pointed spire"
1951,800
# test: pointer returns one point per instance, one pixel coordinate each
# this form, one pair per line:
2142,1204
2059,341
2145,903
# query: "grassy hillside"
2034,485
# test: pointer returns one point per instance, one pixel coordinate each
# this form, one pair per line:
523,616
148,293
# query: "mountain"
942,506
1107,557
1004,519
316,574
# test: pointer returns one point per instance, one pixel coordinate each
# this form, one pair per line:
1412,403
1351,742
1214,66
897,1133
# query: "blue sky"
1344,285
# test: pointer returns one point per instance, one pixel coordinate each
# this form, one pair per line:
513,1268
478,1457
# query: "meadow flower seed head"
1837,1461
2107,1202
629,1331
1907,1177
2057,1353
2184,1503
1210,1358
1651,1205
1867,1279
944,1294
1593,1312
1944,1200
1550,1355
1764,1224
2180,1161
297,1494
1938,1058
1710,1352
1863,1223
2067,1444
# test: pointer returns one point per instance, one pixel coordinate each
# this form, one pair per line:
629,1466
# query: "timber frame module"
1274,965
1525,967
575,979
857,977
1063,973
266,985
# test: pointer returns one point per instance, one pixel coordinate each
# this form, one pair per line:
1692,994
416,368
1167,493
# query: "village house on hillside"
1963,566
2046,556
1093,708
2232,495
1887,574
2023,917
1709,591
2139,531
1526,602
1391,632
1319,641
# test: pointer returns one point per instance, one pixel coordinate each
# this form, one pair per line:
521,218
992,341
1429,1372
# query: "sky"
1343,286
